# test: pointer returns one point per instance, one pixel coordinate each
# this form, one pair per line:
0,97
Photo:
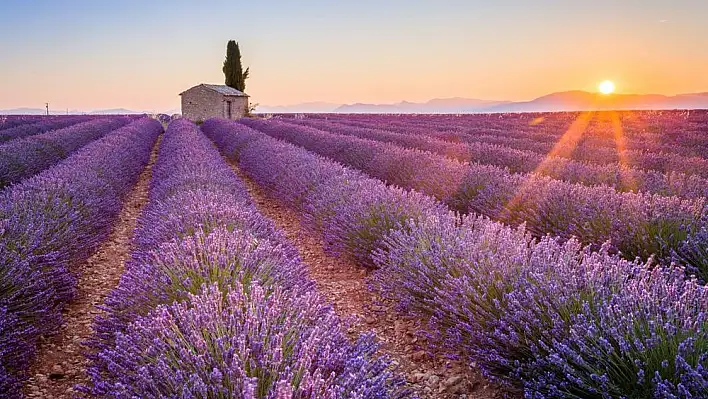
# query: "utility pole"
47,106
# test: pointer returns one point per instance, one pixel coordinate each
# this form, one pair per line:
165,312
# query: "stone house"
206,101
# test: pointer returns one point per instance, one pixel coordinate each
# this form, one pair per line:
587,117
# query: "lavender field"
548,255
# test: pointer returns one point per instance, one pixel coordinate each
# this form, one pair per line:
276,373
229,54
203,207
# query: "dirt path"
344,285
60,363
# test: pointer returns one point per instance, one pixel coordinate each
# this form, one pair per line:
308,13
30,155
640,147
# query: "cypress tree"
233,70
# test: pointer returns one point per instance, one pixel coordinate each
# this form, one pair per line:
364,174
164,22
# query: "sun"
606,87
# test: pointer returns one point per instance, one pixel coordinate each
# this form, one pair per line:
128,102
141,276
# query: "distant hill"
581,100
460,104
315,107
437,105
561,101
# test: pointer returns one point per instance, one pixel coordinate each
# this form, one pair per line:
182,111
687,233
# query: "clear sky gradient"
141,54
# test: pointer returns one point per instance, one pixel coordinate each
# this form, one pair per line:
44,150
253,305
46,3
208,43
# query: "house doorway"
228,109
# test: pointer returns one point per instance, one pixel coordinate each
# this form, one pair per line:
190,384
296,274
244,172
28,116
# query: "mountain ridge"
572,100
577,100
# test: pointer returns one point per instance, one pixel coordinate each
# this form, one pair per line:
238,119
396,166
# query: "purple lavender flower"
52,221
17,128
636,224
243,343
216,302
23,158
618,176
546,317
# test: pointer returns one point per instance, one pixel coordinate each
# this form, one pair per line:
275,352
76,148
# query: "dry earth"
60,362
344,285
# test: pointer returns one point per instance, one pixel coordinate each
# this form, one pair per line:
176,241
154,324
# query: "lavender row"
576,142
635,224
23,158
272,163
599,130
546,319
580,149
518,161
41,126
567,146
215,302
640,130
48,224
10,121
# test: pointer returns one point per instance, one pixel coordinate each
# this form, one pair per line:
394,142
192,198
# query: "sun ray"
564,147
621,145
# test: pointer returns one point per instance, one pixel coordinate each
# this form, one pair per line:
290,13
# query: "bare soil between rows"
344,284
60,363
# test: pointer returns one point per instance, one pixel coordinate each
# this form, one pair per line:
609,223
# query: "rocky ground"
60,362
344,284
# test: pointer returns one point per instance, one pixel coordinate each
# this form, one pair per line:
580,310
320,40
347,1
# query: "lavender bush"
550,319
620,177
694,252
193,192
592,137
211,274
679,147
637,225
10,121
243,343
164,118
323,192
39,125
49,223
546,318
23,158
14,353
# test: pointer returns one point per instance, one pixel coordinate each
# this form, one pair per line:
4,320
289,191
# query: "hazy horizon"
87,56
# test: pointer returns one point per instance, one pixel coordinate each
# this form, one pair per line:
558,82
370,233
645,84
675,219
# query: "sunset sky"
140,54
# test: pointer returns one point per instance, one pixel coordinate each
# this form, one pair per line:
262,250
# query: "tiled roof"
222,89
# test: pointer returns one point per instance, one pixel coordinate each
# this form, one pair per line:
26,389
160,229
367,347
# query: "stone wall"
200,104
239,106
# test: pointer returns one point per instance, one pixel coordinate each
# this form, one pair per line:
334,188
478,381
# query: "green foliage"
233,70
251,110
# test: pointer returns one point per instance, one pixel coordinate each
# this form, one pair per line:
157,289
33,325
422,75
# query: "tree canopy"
233,70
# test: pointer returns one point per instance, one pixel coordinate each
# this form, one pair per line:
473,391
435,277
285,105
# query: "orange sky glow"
142,59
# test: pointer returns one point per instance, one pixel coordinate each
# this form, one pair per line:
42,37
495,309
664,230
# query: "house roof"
221,89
